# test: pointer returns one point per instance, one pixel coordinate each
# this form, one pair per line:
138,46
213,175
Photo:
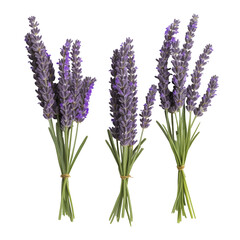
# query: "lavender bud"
146,112
206,99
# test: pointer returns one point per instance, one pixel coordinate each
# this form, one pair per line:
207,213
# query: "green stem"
70,142
72,210
51,126
117,144
193,120
172,122
74,144
168,122
124,167
130,205
176,119
188,134
138,147
66,146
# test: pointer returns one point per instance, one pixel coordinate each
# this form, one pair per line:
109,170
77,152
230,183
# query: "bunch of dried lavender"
178,129
66,101
123,107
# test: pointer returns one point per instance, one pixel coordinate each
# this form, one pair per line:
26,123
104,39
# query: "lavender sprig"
64,86
146,112
123,110
76,81
206,99
179,78
162,67
192,93
125,96
178,129
42,68
66,101
114,100
85,93
132,79
186,50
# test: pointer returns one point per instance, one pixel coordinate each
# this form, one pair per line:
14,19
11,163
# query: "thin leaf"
193,139
114,150
168,123
196,129
172,144
57,149
116,159
140,145
77,153
111,141
165,133
131,165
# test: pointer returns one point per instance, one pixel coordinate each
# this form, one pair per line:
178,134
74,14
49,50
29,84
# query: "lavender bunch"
123,108
66,101
178,129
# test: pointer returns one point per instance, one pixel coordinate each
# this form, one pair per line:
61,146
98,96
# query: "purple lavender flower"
173,101
146,112
179,78
76,81
85,93
125,96
42,68
186,50
163,71
192,93
206,99
114,100
64,87
132,79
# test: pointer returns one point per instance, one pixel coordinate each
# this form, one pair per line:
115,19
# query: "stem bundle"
125,157
66,159
180,142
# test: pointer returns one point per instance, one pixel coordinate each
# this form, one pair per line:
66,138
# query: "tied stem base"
122,204
182,198
66,206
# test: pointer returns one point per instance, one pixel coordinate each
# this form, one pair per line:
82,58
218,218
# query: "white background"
29,172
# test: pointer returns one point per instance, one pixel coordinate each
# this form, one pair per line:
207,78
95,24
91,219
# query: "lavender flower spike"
206,99
132,79
125,96
179,78
76,81
114,100
42,68
85,92
163,71
64,86
192,93
123,102
186,50
146,112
